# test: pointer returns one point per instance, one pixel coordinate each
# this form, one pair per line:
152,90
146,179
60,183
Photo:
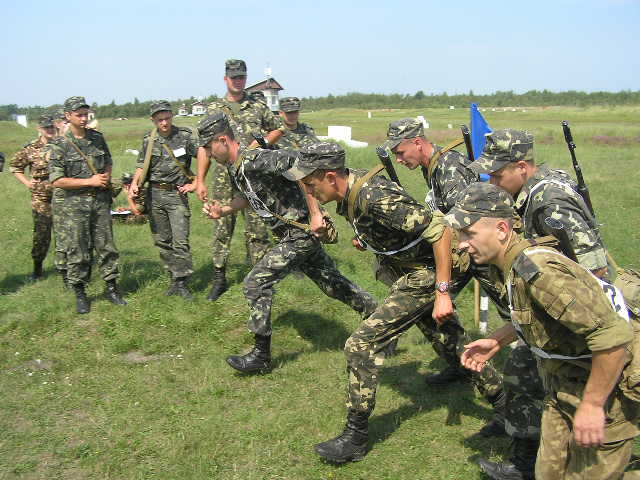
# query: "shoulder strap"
353,194
87,159
438,154
517,249
184,171
147,157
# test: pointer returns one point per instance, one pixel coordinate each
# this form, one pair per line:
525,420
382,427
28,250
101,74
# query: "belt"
163,185
88,193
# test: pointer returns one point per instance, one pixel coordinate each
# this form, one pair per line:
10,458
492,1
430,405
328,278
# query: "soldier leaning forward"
32,156
577,327
413,249
80,164
164,161
292,217
295,134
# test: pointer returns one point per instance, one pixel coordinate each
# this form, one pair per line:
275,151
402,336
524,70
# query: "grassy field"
144,392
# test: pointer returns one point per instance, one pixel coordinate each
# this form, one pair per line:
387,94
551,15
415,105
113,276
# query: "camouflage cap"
290,104
317,156
159,106
479,200
74,103
127,178
401,130
45,120
235,68
58,114
211,126
503,147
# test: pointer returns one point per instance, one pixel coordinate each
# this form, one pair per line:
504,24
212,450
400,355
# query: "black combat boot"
37,270
258,360
113,294
447,376
82,302
520,466
219,284
351,444
180,288
495,426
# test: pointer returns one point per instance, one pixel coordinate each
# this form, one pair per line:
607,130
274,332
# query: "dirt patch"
137,357
35,365
614,140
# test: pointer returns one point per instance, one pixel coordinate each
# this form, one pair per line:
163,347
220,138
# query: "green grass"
174,409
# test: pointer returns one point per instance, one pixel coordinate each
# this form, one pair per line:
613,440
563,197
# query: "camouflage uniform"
59,233
168,209
261,171
298,137
32,156
247,116
87,218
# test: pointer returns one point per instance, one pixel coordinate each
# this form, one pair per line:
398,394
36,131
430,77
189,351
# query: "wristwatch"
442,287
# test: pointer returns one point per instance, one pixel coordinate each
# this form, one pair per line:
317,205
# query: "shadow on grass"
323,333
134,275
203,277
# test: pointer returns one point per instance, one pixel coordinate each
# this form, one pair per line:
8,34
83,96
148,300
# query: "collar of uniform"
515,239
243,102
521,199
162,139
341,207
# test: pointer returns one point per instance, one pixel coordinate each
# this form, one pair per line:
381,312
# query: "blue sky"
153,49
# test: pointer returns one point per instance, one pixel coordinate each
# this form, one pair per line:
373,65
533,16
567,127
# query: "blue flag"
479,127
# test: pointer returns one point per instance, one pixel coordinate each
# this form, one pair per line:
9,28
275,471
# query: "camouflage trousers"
256,232
410,302
169,219
42,222
297,250
559,458
87,222
57,214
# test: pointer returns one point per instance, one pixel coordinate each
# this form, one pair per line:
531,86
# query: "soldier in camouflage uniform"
296,134
539,192
32,156
247,114
170,180
80,164
413,249
578,329
136,215
295,219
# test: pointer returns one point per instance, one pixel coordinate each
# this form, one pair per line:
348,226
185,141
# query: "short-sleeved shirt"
182,143
552,193
247,116
31,156
296,138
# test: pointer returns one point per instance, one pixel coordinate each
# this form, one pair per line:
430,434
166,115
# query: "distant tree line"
420,99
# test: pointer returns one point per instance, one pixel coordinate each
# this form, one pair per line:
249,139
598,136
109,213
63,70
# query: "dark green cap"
235,68
74,103
211,126
503,147
317,156
401,130
159,106
290,104
479,200
45,120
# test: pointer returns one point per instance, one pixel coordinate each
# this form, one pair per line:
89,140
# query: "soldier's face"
510,178
322,186
484,240
47,132
163,121
78,118
409,153
290,119
236,84
218,148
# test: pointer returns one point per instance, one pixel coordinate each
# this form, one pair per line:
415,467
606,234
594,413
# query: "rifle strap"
182,168
436,156
147,157
353,193
87,159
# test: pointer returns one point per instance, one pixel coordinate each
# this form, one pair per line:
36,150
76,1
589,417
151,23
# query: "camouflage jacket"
183,143
448,178
562,309
552,193
31,156
388,219
249,115
257,175
298,137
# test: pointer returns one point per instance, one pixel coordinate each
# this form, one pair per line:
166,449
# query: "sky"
121,50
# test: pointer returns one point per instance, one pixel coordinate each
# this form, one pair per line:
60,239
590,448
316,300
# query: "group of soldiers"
568,393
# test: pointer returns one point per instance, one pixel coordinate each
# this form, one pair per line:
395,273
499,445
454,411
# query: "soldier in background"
57,204
32,156
165,160
578,329
247,114
80,164
296,134
134,206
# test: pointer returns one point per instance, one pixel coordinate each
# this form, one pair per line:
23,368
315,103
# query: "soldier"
80,164
581,343
32,156
296,221
60,122
413,249
136,215
57,204
164,160
296,134
247,114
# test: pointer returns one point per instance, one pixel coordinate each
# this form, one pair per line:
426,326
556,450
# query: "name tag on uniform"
178,152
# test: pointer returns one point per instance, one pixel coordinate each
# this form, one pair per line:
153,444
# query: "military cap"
127,178
317,156
59,114
479,200
74,103
290,104
45,120
211,126
402,130
503,147
159,106
235,68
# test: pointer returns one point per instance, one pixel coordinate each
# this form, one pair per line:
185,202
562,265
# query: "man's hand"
318,226
30,184
100,180
201,191
356,243
212,210
187,188
588,425
442,308
477,354
134,190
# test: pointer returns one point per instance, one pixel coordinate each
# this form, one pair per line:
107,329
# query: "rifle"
259,138
583,190
467,141
384,158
